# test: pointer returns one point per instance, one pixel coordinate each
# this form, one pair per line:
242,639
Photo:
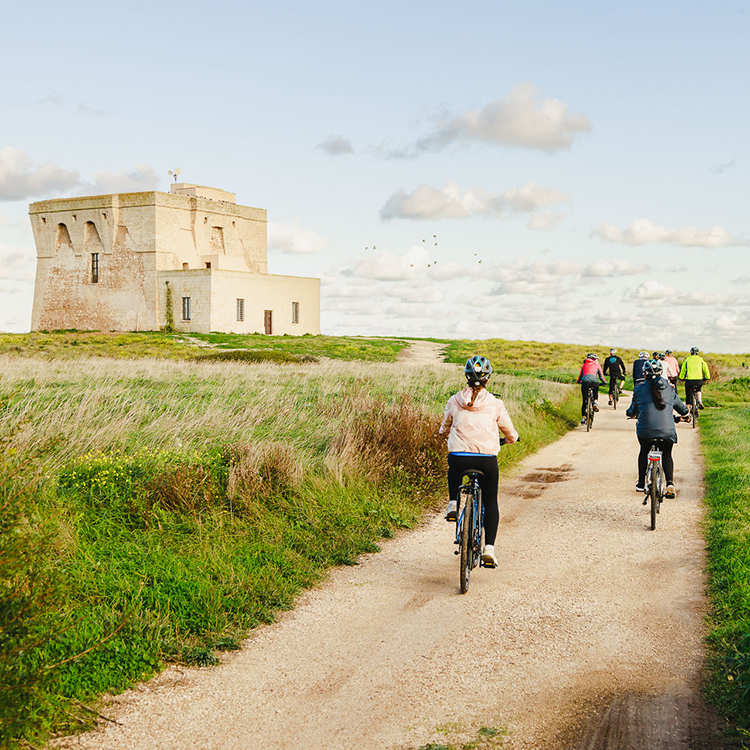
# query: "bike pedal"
645,502
455,552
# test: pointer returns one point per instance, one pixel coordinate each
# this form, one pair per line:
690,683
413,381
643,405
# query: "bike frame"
472,490
655,482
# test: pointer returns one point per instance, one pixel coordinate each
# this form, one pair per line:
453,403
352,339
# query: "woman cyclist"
653,402
590,377
473,417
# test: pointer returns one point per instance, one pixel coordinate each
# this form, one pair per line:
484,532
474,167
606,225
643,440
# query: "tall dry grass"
191,501
318,411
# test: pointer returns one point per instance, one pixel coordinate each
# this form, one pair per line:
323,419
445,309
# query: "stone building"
114,262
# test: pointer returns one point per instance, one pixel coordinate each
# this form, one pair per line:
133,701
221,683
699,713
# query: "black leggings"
585,388
457,468
666,459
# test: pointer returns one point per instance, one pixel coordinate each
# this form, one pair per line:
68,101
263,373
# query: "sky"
573,172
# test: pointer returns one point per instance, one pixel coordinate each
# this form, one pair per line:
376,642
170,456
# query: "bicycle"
692,406
655,484
589,409
614,391
470,527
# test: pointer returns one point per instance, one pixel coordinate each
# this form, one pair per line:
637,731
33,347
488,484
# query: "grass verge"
184,503
725,437
216,346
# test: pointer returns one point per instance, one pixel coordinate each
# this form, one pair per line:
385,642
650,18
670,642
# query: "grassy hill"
161,494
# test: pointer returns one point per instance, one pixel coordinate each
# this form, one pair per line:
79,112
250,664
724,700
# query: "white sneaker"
488,556
452,511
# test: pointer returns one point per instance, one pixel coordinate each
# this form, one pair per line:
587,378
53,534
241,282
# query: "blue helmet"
477,370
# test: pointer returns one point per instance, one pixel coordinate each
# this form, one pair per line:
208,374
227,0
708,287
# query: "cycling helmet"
662,355
655,355
668,352
694,350
653,368
613,351
591,356
643,355
477,370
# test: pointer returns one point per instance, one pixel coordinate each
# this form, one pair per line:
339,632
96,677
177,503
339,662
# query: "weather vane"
177,172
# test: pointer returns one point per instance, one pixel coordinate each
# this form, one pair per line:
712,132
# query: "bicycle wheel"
654,497
466,543
661,486
589,412
615,397
694,409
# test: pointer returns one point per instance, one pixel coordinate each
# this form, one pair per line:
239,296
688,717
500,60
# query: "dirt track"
587,635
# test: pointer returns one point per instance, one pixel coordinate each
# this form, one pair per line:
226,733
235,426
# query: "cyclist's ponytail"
657,395
475,388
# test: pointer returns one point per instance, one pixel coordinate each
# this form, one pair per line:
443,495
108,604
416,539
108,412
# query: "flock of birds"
434,262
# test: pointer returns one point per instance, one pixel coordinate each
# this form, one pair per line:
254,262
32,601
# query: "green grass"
725,438
562,362
334,347
248,348
187,502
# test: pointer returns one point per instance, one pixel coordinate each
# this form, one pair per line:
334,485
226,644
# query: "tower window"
295,312
241,310
186,308
94,268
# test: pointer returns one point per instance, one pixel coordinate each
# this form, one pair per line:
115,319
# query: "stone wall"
213,252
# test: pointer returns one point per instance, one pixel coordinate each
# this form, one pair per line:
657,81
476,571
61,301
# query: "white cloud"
644,231
293,240
530,197
386,266
141,178
603,268
17,263
661,295
336,145
522,120
544,221
427,202
21,179
651,290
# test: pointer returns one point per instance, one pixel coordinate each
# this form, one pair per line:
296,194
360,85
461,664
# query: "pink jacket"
474,429
674,364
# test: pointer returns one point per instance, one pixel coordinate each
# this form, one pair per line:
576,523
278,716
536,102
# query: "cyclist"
590,377
694,372
615,367
638,376
653,404
674,364
473,417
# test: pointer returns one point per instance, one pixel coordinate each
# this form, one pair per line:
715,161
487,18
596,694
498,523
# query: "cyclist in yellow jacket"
694,372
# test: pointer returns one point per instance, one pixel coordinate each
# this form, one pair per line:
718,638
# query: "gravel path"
587,635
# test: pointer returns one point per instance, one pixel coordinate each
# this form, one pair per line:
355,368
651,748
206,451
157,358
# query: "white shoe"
452,512
488,556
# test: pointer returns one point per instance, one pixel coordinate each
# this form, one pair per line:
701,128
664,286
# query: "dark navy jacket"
638,375
653,423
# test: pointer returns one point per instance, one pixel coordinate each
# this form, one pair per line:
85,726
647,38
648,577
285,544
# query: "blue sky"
593,158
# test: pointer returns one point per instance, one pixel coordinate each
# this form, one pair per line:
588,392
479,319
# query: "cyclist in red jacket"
590,377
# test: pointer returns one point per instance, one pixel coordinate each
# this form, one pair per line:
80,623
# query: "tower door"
268,322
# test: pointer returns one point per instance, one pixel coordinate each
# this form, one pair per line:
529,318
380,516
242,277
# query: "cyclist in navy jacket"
638,376
654,401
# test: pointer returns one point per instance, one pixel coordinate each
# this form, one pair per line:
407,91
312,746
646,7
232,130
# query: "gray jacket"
653,423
